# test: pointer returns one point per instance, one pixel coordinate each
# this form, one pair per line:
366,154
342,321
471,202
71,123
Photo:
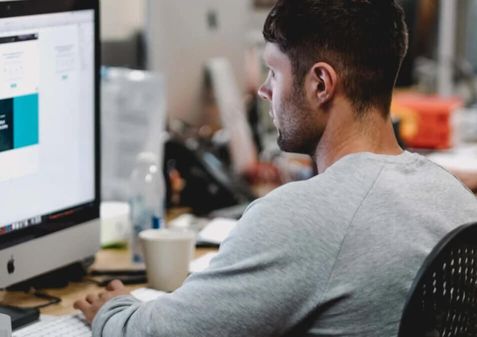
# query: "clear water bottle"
146,200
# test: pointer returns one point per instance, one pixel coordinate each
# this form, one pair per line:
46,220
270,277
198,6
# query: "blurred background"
180,78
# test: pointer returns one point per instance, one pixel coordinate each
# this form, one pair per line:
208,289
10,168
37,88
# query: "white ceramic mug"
167,255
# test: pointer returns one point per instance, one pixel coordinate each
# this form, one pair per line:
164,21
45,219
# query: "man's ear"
322,82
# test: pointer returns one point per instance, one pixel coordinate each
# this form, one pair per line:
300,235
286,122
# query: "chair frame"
442,301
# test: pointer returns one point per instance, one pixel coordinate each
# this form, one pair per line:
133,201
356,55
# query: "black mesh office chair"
442,301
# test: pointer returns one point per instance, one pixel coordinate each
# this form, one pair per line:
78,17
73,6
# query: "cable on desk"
89,280
51,299
125,279
103,282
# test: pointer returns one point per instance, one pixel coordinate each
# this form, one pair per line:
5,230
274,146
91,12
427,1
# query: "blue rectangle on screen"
26,121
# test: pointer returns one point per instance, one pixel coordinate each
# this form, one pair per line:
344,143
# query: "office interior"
434,108
180,78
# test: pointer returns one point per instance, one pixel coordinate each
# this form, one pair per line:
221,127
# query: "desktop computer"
49,136
182,36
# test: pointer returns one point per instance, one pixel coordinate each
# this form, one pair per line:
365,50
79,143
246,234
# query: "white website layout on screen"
46,114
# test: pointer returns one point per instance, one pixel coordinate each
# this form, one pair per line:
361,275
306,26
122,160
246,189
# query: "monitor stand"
58,278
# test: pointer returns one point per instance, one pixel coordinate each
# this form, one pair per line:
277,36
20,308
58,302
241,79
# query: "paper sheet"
463,158
216,231
201,263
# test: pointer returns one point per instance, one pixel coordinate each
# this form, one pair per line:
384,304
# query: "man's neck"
345,134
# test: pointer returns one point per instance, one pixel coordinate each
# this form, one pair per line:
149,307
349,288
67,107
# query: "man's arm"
263,282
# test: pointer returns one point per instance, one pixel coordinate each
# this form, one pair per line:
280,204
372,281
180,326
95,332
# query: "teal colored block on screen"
25,121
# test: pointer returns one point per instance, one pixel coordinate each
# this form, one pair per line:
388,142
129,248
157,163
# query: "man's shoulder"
349,180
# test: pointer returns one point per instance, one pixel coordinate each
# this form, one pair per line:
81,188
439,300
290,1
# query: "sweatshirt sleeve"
122,308
259,284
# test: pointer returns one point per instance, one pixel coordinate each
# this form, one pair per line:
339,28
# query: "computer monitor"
182,36
49,136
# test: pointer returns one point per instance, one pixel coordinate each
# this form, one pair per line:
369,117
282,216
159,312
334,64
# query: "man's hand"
91,304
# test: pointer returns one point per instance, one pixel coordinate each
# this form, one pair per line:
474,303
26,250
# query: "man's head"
354,47
364,40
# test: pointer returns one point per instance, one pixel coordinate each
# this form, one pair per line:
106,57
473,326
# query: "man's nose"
265,92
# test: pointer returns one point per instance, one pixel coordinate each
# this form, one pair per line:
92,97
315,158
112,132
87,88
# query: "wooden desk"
105,259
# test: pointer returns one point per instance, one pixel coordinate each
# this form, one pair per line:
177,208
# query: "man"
334,255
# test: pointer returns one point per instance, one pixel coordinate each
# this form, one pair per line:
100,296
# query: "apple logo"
11,265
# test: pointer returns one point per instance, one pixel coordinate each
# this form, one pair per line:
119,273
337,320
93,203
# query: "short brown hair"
365,40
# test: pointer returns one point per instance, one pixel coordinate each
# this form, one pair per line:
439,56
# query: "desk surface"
110,258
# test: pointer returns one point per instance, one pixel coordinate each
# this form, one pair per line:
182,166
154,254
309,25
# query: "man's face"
298,128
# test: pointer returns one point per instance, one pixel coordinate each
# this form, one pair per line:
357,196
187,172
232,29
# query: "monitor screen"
49,153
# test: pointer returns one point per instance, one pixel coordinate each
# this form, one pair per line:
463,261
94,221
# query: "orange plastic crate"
425,120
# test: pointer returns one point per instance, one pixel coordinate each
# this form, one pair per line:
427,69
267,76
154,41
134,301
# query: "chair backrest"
442,301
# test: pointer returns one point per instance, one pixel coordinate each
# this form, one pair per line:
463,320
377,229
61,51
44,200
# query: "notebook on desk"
216,231
209,232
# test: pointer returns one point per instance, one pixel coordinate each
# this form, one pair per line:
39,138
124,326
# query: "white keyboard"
57,326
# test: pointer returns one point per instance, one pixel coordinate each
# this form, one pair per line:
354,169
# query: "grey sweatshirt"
331,256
